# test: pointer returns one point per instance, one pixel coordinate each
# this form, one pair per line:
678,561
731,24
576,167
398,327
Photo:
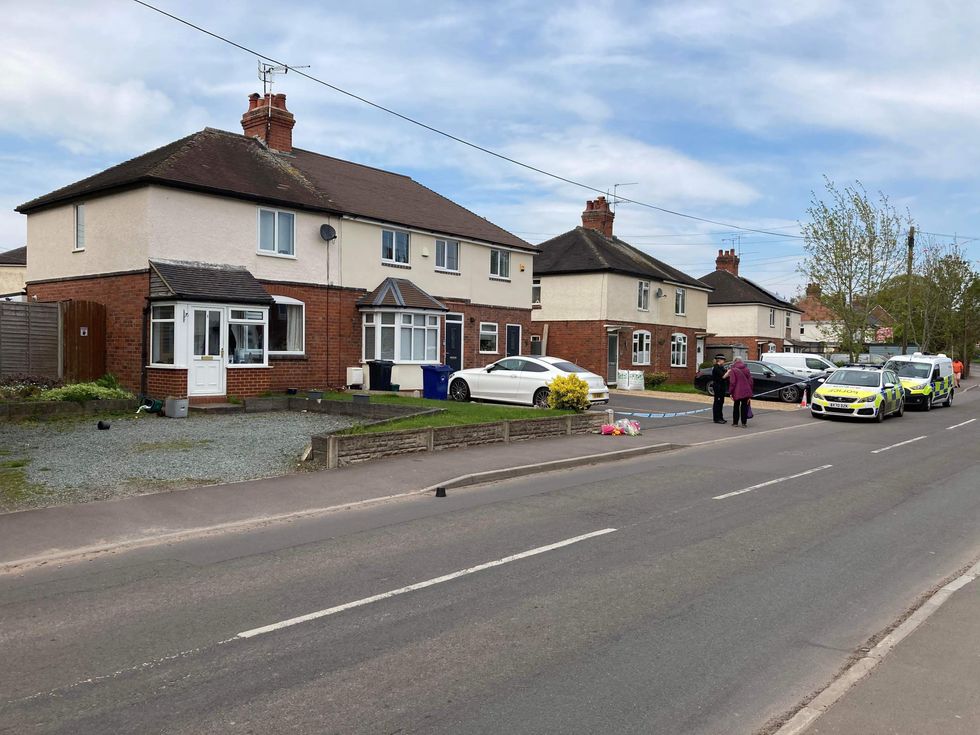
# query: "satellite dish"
660,292
327,233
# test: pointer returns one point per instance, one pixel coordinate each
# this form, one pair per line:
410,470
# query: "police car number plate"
839,405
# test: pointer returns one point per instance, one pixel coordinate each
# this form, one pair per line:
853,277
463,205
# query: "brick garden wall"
124,297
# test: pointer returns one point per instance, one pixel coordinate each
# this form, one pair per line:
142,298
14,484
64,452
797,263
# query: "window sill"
645,311
78,250
495,352
267,254
448,272
154,366
392,264
684,314
536,306
288,356
500,278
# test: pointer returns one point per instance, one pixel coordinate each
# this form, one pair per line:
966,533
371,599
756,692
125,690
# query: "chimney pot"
597,216
268,119
727,261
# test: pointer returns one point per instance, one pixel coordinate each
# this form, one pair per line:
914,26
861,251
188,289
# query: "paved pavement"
925,685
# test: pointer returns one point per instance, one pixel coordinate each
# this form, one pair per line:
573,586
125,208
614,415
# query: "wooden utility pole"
908,293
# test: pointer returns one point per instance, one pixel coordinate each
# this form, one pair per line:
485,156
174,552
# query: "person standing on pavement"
719,387
740,387
957,371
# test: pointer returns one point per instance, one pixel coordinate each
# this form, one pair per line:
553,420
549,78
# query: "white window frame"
79,227
772,318
500,264
788,315
642,339
173,321
536,291
643,295
277,250
249,321
495,333
289,301
394,260
445,247
430,327
680,302
678,350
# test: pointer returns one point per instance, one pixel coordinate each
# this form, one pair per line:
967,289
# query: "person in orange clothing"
957,371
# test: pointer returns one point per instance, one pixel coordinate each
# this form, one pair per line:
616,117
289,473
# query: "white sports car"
521,379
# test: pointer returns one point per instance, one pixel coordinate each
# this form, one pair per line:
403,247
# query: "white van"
927,379
804,364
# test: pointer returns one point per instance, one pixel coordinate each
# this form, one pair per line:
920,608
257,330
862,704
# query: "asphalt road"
706,590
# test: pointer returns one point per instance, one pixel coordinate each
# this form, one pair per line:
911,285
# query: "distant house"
235,264
819,324
602,303
744,319
13,272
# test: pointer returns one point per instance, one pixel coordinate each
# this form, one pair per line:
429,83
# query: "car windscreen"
910,369
568,367
859,378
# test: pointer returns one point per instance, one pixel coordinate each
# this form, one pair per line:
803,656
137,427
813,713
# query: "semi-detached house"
608,306
231,264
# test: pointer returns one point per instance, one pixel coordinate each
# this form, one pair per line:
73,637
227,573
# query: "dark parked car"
775,381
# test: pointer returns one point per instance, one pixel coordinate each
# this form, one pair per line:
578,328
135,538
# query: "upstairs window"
787,320
680,302
772,317
276,232
499,264
643,295
79,227
536,291
447,255
394,247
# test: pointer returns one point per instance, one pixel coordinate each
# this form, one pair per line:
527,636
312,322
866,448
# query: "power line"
450,136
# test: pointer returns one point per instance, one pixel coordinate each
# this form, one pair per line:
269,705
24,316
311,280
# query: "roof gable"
584,250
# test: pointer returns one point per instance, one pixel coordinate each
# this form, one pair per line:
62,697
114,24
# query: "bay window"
400,336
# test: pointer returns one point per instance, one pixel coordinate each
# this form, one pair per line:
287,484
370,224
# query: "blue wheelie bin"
435,381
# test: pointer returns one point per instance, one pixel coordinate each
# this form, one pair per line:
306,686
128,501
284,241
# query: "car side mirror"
768,373
490,368
889,385
821,380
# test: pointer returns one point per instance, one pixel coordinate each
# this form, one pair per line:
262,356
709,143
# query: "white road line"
900,444
419,585
956,426
772,482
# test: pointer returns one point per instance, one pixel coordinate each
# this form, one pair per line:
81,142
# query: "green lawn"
679,388
454,413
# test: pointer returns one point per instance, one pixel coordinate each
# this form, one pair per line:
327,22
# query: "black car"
774,381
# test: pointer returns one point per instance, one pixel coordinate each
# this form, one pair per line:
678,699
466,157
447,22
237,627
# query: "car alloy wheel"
711,389
880,416
459,390
949,399
901,409
790,394
541,397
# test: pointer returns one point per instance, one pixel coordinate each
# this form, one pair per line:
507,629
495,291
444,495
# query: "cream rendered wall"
190,226
622,303
360,267
580,297
116,229
12,278
734,321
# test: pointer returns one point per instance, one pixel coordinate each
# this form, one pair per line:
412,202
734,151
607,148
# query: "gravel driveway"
71,461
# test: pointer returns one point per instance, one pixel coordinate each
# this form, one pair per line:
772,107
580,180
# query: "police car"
927,379
861,391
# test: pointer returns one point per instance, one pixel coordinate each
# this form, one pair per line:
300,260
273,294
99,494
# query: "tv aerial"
267,72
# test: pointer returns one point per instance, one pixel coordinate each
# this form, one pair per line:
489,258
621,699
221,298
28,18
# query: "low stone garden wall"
45,409
338,450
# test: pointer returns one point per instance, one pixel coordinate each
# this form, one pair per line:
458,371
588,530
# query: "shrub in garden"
83,392
651,381
18,387
569,392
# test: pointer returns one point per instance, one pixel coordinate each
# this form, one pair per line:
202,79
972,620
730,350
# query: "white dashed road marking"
772,482
900,444
956,426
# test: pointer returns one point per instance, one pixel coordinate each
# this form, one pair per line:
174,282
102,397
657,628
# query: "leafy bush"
16,387
569,392
652,381
108,381
83,392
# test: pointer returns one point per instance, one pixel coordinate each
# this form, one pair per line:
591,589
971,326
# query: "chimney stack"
727,261
813,289
597,216
268,120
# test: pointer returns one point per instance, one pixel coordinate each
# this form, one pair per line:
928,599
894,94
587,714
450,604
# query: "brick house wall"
163,382
751,345
473,314
585,343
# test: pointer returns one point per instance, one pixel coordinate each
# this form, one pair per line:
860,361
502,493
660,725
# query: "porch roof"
401,293
170,279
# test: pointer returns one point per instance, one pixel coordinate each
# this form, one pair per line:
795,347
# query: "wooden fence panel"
30,339
84,340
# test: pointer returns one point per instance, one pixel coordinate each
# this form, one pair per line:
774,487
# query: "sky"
733,111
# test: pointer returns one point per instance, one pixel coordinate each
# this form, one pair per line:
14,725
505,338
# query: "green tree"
854,248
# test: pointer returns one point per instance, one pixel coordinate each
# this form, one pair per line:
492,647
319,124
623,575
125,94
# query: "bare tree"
854,248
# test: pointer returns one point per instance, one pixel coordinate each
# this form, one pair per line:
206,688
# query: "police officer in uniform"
719,385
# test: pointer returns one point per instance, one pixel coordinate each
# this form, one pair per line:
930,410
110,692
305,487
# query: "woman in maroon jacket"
740,387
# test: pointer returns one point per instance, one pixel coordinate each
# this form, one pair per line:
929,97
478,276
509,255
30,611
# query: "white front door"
700,351
206,376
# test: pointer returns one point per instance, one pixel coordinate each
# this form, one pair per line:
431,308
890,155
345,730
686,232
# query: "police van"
927,379
859,391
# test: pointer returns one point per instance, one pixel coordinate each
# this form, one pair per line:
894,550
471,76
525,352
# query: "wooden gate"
29,339
83,330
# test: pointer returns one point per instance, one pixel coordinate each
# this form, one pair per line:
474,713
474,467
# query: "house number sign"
83,331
